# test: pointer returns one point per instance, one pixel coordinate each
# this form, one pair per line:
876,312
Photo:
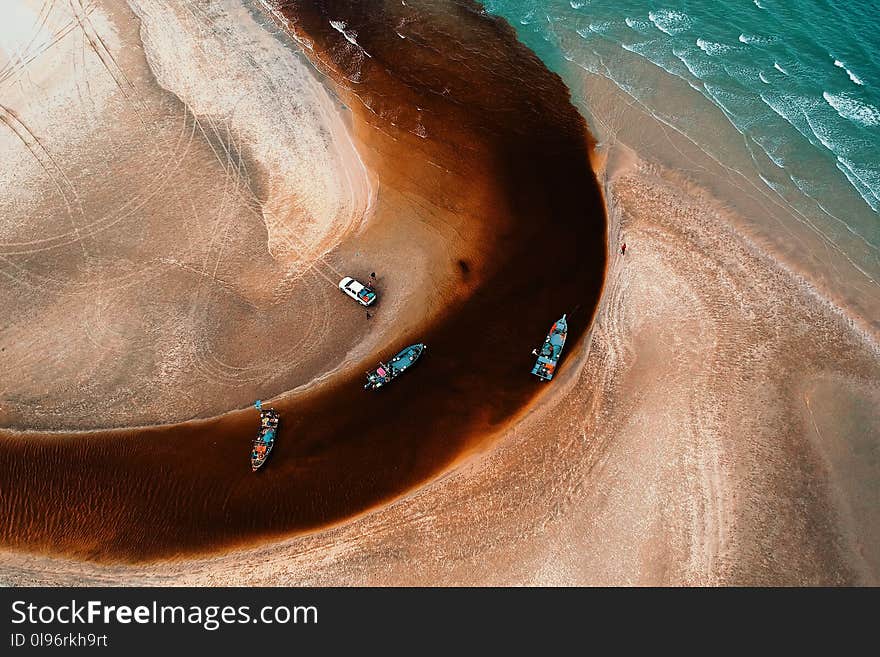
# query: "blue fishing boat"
548,354
387,372
265,439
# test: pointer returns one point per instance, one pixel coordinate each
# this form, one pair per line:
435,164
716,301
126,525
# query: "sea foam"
670,21
653,51
756,39
699,66
852,76
712,48
866,182
638,25
790,109
855,78
350,35
853,110
598,28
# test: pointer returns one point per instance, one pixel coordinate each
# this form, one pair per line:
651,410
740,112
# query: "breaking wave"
864,180
755,39
712,48
853,110
350,35
852,76
670,21
642,26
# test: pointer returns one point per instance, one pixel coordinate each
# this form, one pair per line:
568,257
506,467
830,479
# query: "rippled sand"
718,425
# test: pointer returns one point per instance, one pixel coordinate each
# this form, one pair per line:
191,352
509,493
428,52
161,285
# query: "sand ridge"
177,242
317,189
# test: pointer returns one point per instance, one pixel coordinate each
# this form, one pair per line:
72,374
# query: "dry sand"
167,215
719,426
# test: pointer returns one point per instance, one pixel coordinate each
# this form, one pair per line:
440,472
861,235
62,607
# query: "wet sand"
717,425
487,152
695,438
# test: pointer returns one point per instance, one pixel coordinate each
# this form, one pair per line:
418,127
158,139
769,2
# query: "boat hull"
550,352
385,373
265,440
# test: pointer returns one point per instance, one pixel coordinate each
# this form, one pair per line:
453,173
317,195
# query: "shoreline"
691,440
772,225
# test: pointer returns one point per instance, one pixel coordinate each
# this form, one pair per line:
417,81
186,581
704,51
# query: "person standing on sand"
623,249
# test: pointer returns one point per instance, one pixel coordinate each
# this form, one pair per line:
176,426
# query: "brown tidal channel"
461,93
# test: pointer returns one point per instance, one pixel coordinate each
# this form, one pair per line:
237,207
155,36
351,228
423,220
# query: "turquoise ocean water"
793,86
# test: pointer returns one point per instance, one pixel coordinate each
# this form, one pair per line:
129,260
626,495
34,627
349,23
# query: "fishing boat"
265,439
549,352
387,372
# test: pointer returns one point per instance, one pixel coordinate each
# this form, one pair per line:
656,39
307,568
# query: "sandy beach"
698,453
716,424
191,209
